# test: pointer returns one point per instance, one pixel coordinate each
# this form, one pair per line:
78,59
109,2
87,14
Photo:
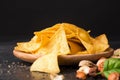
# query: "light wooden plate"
66,59
75,59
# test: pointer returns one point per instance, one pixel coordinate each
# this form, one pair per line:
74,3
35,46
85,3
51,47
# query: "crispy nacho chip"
49,32
57,45
58,38
85,39
28,47
47,63
75,47
100,43
33,45
89,47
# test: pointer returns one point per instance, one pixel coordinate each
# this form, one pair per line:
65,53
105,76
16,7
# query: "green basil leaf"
106,73
111,65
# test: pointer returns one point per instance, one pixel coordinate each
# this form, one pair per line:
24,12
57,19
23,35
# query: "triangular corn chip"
59,39
49,32
28,47
75,47
85,39
57,45
48,63
33,45
89,47
100,43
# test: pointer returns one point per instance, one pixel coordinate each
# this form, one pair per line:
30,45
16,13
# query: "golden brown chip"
33,45
29,47
85,39
57,45
100,43
58,38
47,63
82,52
89,46
75,47
49,32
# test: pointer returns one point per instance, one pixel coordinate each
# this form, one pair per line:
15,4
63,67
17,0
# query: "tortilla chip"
39,43
48,63
59,39
49,32
28,47
82,52
33,45
89,47
100,43
75,47
57,45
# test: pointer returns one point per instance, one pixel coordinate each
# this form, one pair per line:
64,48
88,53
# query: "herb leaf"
111,65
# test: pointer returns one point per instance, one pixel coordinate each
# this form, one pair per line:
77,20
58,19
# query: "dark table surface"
11,68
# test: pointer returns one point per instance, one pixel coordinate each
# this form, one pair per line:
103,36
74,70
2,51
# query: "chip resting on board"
57,45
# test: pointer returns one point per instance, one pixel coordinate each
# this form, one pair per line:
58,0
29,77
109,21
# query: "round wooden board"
66,59
75,59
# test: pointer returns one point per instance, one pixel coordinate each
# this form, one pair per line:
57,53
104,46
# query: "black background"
22,18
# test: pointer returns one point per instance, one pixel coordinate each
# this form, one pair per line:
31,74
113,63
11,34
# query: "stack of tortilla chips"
61,39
